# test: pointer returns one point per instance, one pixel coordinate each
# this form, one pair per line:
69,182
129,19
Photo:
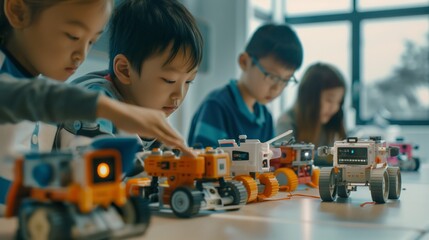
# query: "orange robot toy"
193,183
250,164
295,166
360,163
77,195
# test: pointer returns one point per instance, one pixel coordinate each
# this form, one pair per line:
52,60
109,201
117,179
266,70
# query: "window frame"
355,18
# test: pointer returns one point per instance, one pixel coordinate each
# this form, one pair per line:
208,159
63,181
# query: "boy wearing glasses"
270,59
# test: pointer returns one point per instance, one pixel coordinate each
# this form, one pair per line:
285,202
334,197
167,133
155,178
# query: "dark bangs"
278,41
141,28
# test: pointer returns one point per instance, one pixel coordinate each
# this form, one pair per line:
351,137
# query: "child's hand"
143,121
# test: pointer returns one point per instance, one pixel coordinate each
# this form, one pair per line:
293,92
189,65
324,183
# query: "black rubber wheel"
343,192
395,182
235,189
417,164
379,184
327,184
136,211
44,221
186,202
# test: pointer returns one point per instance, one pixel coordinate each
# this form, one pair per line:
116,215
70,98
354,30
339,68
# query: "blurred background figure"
317,116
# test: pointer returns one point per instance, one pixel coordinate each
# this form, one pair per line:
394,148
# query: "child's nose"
80,54
179,92
77,58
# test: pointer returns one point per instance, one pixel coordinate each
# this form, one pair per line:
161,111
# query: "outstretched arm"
48,101
44,100
145,122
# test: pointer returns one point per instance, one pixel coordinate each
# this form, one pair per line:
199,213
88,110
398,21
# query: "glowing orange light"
103,170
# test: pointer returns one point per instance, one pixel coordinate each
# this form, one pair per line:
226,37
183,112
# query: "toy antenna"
279,136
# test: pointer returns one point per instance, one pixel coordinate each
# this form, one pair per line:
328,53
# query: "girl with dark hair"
317,115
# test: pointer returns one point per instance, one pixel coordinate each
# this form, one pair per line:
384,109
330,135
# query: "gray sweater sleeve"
44,100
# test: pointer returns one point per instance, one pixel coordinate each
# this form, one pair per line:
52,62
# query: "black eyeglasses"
275,80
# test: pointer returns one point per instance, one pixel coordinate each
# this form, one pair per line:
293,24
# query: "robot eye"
103,170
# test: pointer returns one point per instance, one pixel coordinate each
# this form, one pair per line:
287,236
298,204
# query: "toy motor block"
58,195
360,163
250,164
405,159
193,183
295,166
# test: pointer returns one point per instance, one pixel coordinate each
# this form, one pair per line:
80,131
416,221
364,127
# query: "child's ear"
17,13
122,69
244,61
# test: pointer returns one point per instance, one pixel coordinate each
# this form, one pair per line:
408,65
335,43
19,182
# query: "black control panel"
240,156
352,155
306,154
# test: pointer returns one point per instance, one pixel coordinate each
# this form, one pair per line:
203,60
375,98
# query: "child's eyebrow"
82,25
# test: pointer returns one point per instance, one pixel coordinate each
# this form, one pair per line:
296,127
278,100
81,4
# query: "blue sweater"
224,115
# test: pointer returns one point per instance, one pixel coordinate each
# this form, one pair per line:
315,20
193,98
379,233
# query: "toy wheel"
379,183
323,151
185,202
45,222
343,192
395,182
327,184
136,211
250,185
416,163
235,189
287,179
271,185
314,178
